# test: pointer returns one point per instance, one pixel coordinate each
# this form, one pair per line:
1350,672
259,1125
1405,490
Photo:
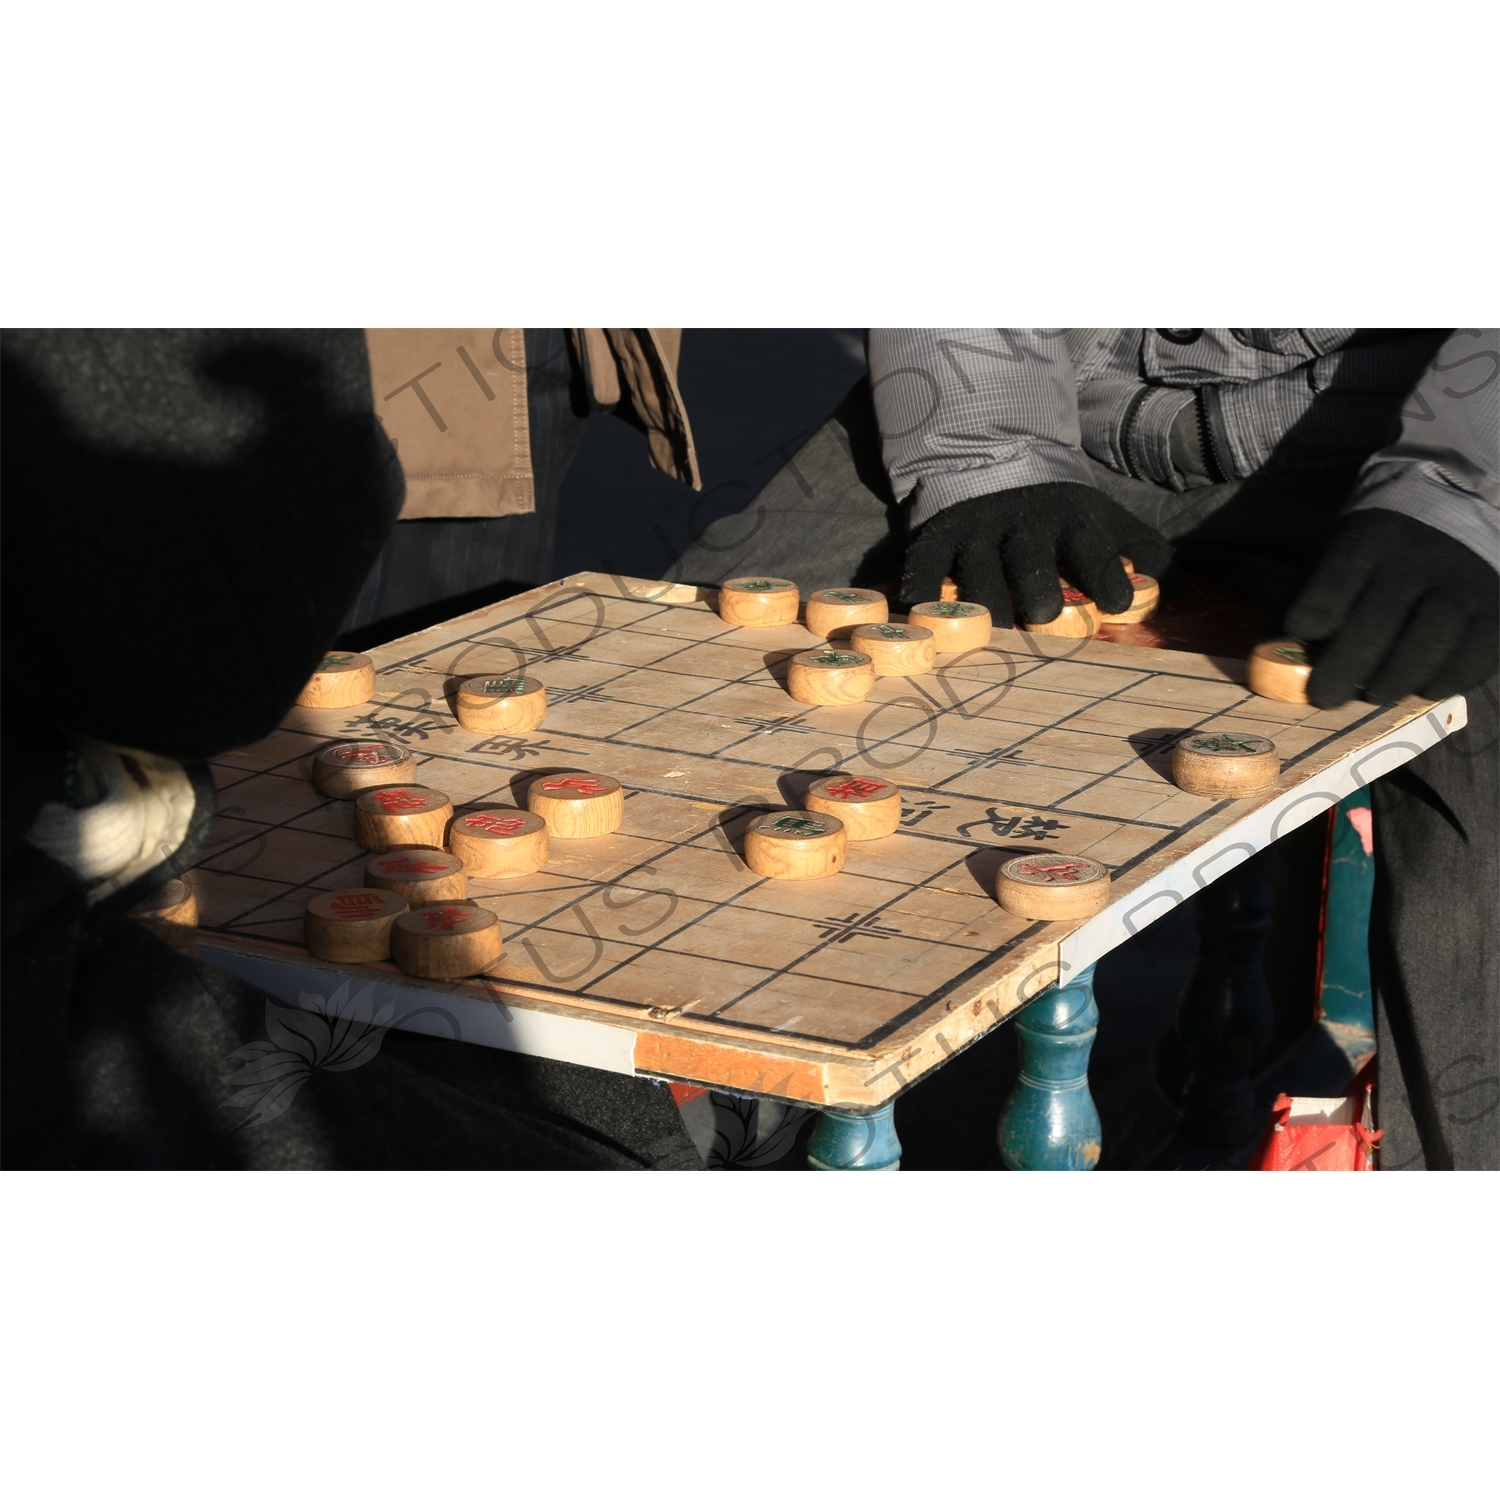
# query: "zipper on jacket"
1128,425
1214,463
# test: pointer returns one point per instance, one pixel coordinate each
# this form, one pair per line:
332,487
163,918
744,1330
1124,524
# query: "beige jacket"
453,401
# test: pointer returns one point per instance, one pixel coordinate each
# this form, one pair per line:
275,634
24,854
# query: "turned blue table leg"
1345,993
844,1142
1049,1123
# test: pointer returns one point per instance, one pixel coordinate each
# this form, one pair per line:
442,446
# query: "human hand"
1399,607
1027,537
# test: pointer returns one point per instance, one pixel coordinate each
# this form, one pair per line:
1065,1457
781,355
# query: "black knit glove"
1028,536
1399,608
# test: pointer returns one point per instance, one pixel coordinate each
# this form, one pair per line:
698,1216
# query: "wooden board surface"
839,991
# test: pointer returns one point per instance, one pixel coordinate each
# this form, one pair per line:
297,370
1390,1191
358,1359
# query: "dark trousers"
828,518
432,570
1432,950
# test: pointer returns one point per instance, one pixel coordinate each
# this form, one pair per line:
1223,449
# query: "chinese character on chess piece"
577,804
501,705
1145,598
395,817
341,679
422,874
759,601
349,767
351,927
956,624
833,613
452,940
499,843
795,845
830,675
896,650
1279,670
1077,620
1220,764
1052,887
868,807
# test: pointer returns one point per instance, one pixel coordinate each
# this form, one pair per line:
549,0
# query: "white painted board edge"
445,1013
1292,808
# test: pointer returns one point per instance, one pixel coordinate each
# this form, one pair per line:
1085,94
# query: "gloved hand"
1399,607
1028,536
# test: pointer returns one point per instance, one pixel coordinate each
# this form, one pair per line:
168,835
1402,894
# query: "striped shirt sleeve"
969,411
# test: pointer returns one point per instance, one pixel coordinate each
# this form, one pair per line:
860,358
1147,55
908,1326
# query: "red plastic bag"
1321,1135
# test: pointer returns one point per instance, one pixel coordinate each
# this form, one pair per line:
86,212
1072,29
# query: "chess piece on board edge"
1145,602
172,914
577,804
422,873
342,679
1052,887
794,845
351,927
514,704
868,807
1220,764
895,650
833,613
396,817
346,768
450,940
499,843
830,675
759,601
1279,670
174,904
1078,619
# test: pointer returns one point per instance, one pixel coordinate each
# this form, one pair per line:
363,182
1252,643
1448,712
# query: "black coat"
188,515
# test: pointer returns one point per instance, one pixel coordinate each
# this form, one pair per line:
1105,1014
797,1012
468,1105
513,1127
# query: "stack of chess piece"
865,644
413,907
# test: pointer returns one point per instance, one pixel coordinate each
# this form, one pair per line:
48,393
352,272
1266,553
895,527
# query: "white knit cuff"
142,819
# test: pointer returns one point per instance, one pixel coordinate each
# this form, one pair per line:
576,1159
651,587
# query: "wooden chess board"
655,949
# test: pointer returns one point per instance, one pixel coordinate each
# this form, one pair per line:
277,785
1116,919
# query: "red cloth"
1321,1135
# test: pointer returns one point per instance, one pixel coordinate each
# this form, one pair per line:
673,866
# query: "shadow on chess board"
840,989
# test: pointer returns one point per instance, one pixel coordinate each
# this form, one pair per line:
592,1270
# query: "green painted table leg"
1049,1123
856,1143
1344,987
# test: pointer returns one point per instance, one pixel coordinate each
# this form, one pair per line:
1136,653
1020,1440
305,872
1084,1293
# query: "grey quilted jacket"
969,411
